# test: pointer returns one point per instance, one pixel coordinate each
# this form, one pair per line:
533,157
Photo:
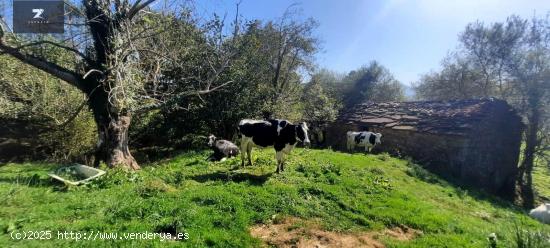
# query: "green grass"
541,180
217,203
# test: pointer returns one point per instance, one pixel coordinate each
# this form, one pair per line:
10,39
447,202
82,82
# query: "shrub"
417,171
74,141
524,238
384,156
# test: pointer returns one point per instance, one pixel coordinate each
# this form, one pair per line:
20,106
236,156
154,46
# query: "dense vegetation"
217,203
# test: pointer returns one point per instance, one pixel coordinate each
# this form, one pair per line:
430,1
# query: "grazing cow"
280,134
541,213
222,148
365,139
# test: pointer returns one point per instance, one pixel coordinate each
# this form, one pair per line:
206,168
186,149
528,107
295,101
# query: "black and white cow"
222,148
365,139
280,134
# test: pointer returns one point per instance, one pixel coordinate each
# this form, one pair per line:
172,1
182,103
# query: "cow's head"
211,140
378,139
301,133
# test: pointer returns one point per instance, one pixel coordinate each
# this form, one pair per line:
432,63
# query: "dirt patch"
294,232
403,233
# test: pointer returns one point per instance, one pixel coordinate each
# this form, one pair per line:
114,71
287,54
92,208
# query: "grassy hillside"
218,203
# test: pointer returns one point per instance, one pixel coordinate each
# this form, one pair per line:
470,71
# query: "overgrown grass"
217,203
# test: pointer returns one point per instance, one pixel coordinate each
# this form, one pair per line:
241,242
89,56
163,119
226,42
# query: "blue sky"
409,37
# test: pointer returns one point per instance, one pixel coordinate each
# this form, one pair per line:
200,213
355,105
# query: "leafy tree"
250,95
530,85
288,46
489,50
332,83
459,77
319,108
372,83
266,78
219,111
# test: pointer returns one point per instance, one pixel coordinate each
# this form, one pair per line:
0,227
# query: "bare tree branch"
180,96
82,55
74,8
137,7
68,120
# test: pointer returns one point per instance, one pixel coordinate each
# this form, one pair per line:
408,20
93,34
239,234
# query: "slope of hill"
323,196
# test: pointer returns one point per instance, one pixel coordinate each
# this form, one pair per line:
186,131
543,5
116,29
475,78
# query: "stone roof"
448,117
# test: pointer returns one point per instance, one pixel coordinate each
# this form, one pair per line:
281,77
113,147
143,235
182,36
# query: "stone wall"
491,154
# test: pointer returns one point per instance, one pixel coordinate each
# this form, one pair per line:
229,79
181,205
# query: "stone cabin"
469,142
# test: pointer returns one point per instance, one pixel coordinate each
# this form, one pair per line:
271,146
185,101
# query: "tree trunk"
113,142
112,146
526,181
526,169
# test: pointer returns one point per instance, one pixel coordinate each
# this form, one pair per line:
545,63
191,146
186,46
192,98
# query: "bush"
524,238
35,109
417,171
74,141
384,156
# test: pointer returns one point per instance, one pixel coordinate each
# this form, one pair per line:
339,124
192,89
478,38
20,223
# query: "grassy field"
218,203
